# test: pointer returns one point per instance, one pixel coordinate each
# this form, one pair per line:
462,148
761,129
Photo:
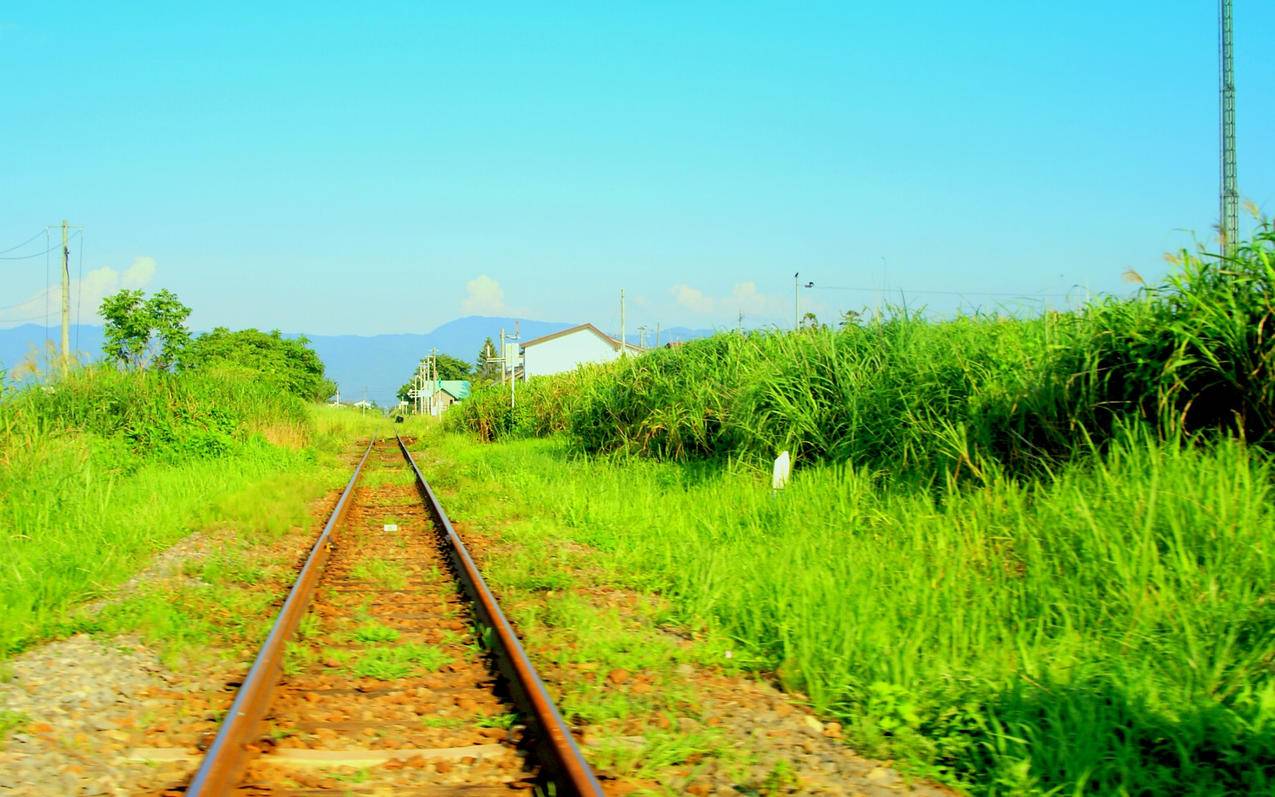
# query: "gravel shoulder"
88,708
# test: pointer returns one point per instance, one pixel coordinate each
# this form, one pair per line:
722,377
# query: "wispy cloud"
743,298
86,294
483,296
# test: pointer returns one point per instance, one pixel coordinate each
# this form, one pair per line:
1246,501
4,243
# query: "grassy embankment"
103,468
1031,556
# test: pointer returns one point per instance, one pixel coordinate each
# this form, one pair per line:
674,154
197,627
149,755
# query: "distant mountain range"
377,364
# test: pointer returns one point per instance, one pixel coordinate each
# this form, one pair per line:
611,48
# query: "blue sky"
321,167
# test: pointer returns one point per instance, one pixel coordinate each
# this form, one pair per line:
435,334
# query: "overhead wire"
48,249
51,248
24,243
79,296
29,257
940,293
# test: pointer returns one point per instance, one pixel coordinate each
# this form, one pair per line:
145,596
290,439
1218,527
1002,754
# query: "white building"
569,349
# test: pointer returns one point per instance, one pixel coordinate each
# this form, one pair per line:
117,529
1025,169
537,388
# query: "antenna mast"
1230,199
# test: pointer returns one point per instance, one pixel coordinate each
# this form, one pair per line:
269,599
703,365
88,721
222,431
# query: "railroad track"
391,668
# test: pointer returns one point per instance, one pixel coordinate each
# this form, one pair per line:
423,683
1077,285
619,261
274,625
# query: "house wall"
566,353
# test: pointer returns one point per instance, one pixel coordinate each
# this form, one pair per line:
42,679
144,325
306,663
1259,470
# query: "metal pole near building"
66,300
1230,198
796,302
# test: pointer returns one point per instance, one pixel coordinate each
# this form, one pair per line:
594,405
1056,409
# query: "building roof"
456,388
612,342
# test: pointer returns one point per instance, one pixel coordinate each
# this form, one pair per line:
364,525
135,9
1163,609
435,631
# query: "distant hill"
381,363
19,343
378,364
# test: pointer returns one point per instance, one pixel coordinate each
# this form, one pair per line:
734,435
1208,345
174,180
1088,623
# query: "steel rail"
227,756
558,751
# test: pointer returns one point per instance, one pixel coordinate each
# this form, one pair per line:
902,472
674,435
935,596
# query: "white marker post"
783,470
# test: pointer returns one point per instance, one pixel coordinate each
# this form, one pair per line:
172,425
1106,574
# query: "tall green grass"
1032,554
102,468
965,397
1110,630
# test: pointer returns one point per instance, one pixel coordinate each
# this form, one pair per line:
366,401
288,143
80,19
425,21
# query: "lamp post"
796,302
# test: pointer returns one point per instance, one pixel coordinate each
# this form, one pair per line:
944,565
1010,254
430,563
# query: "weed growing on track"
11,721
399,661
375,632
1030,556
381,572
102,468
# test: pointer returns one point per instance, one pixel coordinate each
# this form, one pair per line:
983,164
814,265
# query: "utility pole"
503,358
66,300
657,334
513,364
642,335
434,387
622,341
1230,198
796,302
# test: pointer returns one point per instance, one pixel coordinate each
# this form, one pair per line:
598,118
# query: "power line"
26,318
939,293
19,304
19,246
79,298
47,243
29,257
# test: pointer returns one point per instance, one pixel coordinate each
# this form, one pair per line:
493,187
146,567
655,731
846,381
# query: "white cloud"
743,298
483,296
86,294
139,274
693,299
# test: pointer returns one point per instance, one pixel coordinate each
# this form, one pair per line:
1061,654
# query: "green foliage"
11,721
1105,629
962,398
145,332
1084,603
148,414
400,661
287,363
102,468
449,368
375,632
486,371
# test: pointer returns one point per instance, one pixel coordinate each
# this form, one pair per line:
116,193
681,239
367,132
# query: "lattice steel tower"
1230,198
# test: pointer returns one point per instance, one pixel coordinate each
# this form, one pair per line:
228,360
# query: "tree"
449,368
144,332
486,370
290,363
851,318
811,321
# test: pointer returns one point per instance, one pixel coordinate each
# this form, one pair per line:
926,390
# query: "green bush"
289,364
154,413
935,399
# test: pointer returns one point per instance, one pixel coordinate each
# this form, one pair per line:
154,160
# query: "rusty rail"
562,763
558,751
227,757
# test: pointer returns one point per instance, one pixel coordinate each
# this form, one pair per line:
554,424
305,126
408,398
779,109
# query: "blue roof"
456,388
